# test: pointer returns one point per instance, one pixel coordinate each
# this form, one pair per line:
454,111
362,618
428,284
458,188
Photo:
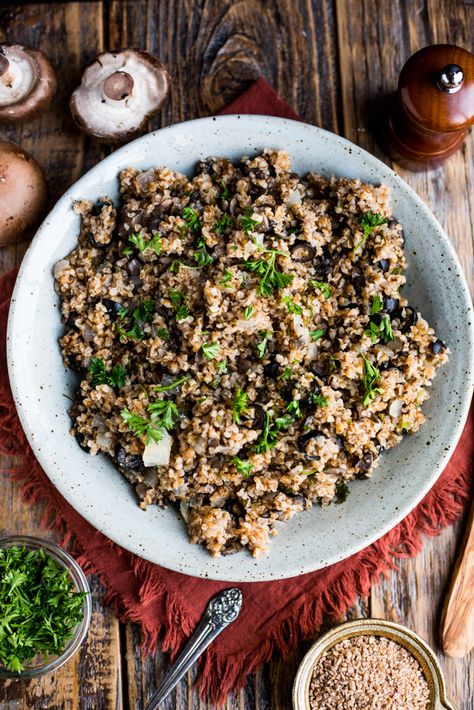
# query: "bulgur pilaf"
243,346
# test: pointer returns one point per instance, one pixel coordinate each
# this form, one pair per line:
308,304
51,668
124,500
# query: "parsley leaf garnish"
226,277
191,218
210,350
163,333
270,277
239,405
201,256
243,467
224,191
248,312
370,379
368,221
222,224
178,301
377,305
372,332
316,334
222,366
172,385
40,608
385,328
143,313
154,243
100,376
246,222
293,409
262,345
292,306
318,400
286,374
163,415
322,286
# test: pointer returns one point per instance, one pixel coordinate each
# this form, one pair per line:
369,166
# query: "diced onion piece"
157,453
395,408
60,266
301,330
294,198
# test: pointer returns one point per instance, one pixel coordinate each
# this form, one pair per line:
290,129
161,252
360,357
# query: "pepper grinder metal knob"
428,117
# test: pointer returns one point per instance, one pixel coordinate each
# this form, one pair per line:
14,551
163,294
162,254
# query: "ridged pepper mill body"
433,107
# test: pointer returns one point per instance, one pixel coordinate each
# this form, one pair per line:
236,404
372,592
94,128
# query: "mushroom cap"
119,93
27,82
23,193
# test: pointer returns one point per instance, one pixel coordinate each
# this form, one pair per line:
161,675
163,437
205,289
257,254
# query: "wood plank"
374,42
70,35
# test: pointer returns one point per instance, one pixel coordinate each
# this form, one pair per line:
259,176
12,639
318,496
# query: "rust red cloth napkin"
168,605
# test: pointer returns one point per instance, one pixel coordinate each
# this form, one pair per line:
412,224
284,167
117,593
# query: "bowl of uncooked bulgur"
226,334
370,664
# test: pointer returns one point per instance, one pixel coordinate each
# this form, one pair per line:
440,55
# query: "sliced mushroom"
27,82
437,347
118,95
301,252
23,194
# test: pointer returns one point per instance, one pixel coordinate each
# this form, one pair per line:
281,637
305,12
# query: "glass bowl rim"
79,579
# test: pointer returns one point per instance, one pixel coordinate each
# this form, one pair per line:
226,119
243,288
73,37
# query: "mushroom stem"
4,64
118,87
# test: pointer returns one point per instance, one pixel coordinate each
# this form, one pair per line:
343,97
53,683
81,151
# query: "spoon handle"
457,624
221,611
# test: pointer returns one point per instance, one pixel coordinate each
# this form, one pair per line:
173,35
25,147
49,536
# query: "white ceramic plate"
315,538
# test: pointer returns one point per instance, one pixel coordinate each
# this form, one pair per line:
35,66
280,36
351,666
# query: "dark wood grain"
333,61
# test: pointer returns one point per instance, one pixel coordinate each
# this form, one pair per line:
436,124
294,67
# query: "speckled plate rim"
407,638
158,535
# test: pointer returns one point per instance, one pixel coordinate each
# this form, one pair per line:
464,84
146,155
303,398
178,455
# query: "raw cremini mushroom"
23,194
119,93
27,82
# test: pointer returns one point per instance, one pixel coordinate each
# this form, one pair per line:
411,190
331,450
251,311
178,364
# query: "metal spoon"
221,611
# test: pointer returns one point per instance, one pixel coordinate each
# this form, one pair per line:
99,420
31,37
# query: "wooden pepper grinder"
433,107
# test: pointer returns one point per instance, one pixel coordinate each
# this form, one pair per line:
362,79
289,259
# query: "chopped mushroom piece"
23,193
118,95
27,82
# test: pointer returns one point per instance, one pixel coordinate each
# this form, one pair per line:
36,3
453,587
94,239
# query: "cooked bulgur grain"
243,346
368,673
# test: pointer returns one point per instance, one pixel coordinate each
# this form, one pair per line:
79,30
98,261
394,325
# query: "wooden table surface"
332,60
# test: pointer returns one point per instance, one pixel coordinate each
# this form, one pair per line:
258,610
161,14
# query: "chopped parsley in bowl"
45,607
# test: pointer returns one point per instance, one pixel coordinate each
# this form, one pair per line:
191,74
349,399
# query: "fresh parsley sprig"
368,221
191,217
163,415
201,256
291,306
139,241
176,383
39,607
100,376
210,350
239,405
322,286
316,334
262,345
271,278
377,305
247,223
242,466
370,379
143,313
178,301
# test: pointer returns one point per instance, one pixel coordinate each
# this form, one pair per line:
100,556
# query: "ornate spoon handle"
221,611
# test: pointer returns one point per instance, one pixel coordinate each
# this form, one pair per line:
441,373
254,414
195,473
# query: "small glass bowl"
407,638
41,667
